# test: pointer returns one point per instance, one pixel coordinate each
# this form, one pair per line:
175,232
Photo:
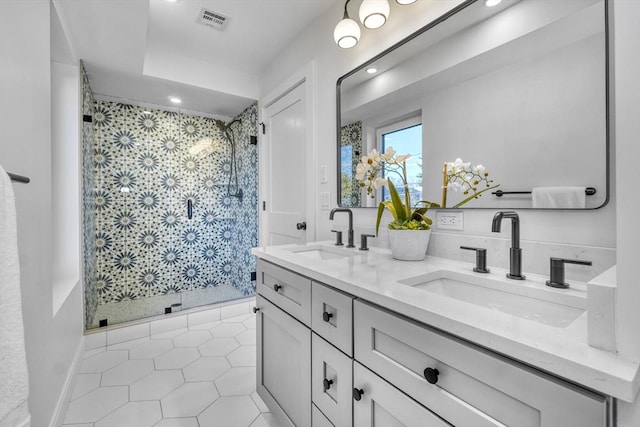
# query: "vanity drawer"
331,384
289,291
473,387
332,316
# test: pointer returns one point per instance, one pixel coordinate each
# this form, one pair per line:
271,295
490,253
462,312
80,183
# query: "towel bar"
589,191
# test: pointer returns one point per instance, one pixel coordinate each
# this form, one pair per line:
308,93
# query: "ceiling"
147,50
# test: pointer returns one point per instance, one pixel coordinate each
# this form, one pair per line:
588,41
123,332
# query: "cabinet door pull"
255,310
327,384
326,316
277,287
431,375
357,394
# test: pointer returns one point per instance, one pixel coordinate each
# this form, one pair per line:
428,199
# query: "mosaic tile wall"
351,153
91,297
146,245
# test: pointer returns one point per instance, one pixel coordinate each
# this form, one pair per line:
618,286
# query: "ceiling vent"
212,19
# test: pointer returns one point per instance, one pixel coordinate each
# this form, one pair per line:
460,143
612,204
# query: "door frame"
307,76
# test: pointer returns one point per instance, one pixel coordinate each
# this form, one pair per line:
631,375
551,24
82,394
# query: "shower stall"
166,227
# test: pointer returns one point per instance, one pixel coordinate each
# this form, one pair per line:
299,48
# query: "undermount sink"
323,253
537,306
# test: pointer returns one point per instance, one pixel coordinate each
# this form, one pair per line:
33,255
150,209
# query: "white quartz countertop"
375,276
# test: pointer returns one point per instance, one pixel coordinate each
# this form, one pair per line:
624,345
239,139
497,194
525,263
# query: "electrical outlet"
325,201
448,220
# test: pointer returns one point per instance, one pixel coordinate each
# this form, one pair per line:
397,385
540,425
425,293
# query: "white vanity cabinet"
283,364
462,383
327,358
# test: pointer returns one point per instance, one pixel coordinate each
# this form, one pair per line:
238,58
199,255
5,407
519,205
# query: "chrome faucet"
515,253
350,235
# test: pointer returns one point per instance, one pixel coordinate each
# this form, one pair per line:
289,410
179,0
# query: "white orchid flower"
479,169
389,153
402,158
361,170
379,182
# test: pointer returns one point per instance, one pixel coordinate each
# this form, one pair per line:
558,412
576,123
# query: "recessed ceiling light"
175,99
372,70
491,3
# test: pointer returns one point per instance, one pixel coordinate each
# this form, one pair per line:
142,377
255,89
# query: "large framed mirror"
519,88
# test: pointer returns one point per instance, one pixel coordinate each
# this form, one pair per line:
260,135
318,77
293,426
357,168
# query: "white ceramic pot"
409,245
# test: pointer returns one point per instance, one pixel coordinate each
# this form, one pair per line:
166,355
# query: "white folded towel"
559,197
14,380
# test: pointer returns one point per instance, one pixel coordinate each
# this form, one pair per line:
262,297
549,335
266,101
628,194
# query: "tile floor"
201,376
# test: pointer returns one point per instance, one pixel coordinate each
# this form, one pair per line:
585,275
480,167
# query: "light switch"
323,174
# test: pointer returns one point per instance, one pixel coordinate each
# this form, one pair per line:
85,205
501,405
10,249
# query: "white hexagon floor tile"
103,361
133,414
227,330
127,373
84,384
243,356
191,339
178,422
177,358
156,385
218,347
189,400
206,369
237,382
247,337
151,349
250,323
96,404
237,319
230,411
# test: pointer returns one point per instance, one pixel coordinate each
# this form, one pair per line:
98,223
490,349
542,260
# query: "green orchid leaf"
402,211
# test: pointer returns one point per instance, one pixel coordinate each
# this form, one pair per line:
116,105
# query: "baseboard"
65,395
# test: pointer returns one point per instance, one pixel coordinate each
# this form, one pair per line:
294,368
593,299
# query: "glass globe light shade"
405,2
374,13
347,33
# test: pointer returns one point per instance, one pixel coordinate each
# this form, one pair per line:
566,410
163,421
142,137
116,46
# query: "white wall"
587,229
25,148
66,191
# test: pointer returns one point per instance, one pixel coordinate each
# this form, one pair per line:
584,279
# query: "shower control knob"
431,375
277,287
301,226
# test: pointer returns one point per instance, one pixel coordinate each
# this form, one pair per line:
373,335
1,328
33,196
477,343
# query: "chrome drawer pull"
431,375
326,316
357,394
277,287
327,384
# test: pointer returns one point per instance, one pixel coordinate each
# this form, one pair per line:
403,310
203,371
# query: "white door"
287,154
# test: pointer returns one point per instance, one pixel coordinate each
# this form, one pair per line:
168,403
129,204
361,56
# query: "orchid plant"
461,176
405,215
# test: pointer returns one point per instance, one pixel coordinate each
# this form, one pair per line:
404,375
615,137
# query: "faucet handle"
338,237
481,259
363,241
556,271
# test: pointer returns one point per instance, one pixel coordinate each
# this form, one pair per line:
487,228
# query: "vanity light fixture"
405,2
374,13
347,32
491,3
175,99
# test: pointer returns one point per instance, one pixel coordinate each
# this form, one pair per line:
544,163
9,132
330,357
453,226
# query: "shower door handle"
189,209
